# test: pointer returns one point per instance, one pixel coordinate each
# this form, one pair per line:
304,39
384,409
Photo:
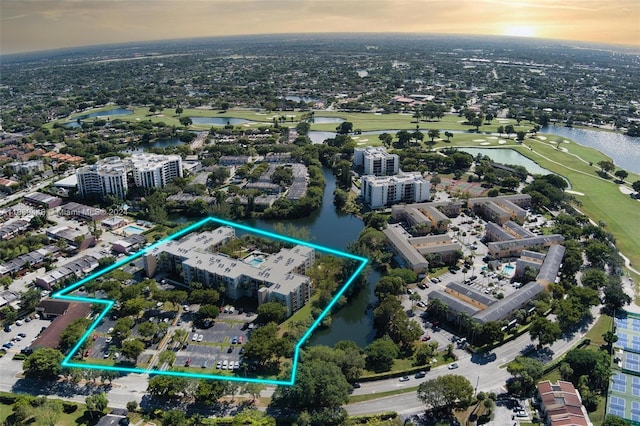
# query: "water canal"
334,230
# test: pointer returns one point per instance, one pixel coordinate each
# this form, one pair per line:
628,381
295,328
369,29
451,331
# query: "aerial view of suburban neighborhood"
296,225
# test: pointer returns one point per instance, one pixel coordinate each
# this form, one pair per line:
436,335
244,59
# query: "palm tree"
462,319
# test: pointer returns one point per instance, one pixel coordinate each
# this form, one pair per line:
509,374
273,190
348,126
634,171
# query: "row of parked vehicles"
220,365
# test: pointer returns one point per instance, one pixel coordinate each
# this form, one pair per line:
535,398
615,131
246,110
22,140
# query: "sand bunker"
542,138
492,137
479,140
566,141
568,191
485,143
625,190
502,142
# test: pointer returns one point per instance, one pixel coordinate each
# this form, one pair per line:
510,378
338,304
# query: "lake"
306,99
508,156
326,120
107,113
333,230
160,143
219,121
623,150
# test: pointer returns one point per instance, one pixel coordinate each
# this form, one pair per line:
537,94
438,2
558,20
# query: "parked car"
230,349
452,366
404,378
356,385
236,365
225,364
234,340
239,340
426,337
23,335
200,338
219,365
195,337
187,362
420,374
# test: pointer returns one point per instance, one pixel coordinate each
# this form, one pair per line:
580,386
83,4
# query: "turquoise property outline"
62,294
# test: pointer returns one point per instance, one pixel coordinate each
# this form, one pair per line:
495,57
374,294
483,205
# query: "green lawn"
362,121
353,399
603,200
77,418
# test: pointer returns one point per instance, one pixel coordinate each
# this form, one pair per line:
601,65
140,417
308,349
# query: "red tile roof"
561,404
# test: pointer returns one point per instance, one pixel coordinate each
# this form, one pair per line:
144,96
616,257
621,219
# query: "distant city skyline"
32,25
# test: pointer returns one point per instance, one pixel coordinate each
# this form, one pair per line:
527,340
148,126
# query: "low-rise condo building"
278,276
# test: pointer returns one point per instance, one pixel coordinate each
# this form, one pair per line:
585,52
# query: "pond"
160,143
327,120
306,99
508,156
109,112
219,121
623,150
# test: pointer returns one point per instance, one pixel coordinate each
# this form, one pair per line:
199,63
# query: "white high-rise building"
376,161
153,170
106,177
379,191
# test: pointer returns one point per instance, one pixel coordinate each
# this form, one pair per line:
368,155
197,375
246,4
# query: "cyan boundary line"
62,294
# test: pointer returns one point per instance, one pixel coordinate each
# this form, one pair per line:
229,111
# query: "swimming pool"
509,270
256,261
131,229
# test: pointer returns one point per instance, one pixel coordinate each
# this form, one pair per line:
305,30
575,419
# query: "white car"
200,337
236,365
195,337
110,330
225,364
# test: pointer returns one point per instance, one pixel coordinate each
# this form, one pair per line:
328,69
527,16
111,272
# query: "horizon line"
625,46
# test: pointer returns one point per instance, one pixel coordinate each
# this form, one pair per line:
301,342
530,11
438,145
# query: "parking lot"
215,344
31,330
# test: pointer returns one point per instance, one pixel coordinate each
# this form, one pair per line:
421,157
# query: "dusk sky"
28,25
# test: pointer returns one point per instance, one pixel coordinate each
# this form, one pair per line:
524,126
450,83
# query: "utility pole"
475,391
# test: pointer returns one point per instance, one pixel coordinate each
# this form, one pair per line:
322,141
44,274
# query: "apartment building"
278,276
106,177
376,161
153,170
379,191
